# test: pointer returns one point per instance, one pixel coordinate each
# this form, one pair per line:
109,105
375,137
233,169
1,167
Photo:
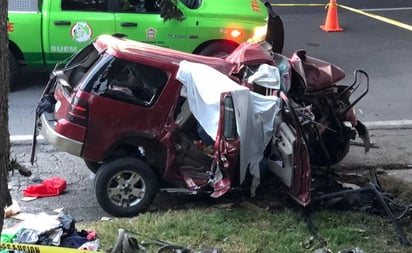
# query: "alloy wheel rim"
126,189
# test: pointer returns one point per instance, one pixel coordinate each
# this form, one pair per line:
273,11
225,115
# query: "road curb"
393,124
22,140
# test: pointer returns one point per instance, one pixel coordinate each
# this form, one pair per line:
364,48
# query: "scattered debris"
23,216
23,170
27,199
105,219
354,250
369,197
49,187
127,243
50,230
13,209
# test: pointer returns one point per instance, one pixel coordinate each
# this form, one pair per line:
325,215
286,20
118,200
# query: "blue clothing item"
207,140
73,240
25,235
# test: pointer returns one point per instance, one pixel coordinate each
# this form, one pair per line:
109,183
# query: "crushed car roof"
129,49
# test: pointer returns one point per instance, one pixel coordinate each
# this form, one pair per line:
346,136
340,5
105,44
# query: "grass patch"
241,228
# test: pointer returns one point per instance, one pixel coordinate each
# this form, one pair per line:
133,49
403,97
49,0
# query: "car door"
72,24
226,148
289,159
141,21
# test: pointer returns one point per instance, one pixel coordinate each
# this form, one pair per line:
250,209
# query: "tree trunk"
4,119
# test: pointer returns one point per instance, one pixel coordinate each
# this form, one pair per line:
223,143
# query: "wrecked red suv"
146,118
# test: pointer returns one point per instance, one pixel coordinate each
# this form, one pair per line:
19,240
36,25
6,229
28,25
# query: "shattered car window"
230,130
129,82
86,5
137,6
77,67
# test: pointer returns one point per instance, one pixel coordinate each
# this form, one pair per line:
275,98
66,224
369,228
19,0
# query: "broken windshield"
73,69
127,81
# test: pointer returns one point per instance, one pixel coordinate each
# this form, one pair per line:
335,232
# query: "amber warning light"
258,35
232,33
235,33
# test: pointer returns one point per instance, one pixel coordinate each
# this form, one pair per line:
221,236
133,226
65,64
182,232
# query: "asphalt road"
368,41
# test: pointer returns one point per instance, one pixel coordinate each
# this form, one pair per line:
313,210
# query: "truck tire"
125,187
218,49
13,71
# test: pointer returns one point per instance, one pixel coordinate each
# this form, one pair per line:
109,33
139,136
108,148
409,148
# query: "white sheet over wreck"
255,113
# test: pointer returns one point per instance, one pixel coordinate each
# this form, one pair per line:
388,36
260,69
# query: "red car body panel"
112,123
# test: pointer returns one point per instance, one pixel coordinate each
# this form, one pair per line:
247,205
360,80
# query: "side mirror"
275,34
169,10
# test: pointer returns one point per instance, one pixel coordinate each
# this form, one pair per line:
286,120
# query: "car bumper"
57,140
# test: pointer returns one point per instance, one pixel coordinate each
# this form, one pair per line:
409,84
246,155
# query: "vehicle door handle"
128,24
62,22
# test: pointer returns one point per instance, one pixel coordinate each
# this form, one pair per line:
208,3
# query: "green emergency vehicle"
44,32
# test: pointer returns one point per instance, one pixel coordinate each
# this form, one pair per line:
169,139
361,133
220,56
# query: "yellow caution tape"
386,20
377,17
35,248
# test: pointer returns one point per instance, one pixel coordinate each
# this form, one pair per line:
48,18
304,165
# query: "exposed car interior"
125,81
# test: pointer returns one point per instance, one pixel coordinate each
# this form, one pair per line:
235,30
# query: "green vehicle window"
86,5
139,6
192,4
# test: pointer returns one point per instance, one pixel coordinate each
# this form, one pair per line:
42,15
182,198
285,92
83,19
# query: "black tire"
13,71
92,166
114,191
218,49
335,145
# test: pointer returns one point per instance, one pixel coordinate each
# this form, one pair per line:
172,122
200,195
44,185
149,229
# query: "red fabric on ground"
49,187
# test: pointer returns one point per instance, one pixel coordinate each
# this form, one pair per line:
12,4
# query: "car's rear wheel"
125,187
13,71
219,49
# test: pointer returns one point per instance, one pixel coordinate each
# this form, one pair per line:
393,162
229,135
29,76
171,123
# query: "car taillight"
78,111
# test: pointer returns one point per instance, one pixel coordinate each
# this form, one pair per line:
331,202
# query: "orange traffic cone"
331,22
